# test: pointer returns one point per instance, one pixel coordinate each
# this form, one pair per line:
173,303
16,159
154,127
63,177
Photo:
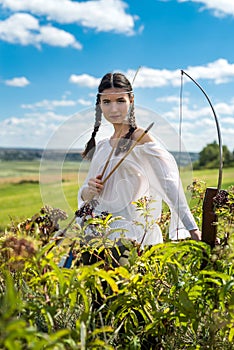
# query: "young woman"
147,171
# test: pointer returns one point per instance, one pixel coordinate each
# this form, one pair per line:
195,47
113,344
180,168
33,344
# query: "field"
106,305
25,187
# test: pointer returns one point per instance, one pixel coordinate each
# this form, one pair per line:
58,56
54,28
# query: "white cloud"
195,135
17,82
171,99
24,29
85,103
50,104
220,8
219,71
30,131
36,129
53,104
230,131
45,118
224,108
102,15
188,114
223,111
84,80
200,121
57,37
228,120
151,77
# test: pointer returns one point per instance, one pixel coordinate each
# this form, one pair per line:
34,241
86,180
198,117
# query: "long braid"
91,144
126,141
131,117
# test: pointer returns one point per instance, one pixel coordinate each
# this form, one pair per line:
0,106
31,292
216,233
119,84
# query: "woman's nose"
113,106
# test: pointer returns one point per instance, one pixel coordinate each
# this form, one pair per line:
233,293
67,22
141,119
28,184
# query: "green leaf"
106,276
186,304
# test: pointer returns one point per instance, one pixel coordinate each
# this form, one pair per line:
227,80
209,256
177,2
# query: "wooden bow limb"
209,217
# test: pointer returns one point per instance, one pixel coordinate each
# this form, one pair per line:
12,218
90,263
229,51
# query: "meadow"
23,194
168,296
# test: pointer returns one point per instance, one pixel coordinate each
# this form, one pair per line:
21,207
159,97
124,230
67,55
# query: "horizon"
70,150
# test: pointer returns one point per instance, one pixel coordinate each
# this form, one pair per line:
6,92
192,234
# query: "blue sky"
54,52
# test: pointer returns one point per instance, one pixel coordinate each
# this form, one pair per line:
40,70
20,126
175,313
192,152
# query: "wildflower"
55,214
15,251
143,202
221,199
17,247
87,209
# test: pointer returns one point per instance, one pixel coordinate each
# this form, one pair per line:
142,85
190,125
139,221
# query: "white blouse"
151,171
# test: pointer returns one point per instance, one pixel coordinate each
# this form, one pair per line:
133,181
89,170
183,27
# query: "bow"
209,217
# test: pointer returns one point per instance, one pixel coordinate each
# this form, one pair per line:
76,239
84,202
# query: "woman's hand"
195,234
95,187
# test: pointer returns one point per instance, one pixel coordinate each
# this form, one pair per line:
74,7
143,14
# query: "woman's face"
115,104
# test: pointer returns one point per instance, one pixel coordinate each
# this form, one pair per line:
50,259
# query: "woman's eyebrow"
120,99
117,99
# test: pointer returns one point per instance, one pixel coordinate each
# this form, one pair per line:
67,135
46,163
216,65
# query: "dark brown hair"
112,80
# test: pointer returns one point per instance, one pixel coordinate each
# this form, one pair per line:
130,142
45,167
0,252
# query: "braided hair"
112,80
91,144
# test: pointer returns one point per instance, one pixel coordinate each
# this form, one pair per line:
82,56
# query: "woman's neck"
120,130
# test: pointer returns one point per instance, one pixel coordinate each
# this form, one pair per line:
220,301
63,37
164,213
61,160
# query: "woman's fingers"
95,184
196,235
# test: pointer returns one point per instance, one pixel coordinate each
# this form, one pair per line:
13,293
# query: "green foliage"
175,295
209,157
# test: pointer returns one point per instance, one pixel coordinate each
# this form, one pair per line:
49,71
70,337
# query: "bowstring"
180,149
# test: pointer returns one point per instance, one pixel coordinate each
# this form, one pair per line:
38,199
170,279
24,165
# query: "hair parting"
112,80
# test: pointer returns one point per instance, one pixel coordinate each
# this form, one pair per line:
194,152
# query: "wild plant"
171,296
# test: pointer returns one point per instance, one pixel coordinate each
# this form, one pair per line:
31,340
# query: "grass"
210,176
25,188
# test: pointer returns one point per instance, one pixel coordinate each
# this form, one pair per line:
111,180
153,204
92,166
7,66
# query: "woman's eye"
120,101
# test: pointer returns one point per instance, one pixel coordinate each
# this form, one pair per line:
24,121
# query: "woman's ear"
131,98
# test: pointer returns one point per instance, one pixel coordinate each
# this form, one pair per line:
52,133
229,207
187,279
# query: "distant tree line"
209,157
29,154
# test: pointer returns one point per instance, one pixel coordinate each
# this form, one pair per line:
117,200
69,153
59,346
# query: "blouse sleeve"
164,180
